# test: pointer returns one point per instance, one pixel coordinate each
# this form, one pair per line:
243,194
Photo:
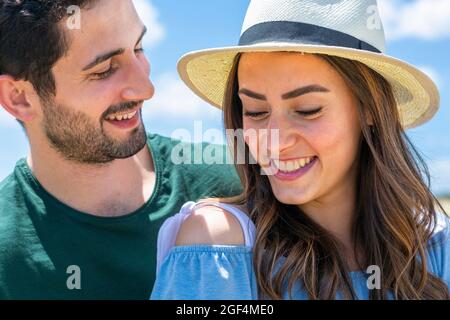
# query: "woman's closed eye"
255,115
304,113
310,113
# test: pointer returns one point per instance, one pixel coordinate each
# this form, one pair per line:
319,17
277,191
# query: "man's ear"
14,100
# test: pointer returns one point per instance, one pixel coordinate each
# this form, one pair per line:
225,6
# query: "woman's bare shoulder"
210,225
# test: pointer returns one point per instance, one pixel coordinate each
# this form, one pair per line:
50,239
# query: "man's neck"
114,189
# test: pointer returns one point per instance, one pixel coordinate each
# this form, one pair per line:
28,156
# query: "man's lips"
121,114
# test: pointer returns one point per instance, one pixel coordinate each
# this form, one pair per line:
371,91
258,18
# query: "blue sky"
418,31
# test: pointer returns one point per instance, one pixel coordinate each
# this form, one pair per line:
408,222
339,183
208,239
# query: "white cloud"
432,73
424,19
440,174
174,106
174,99
6,120
150,17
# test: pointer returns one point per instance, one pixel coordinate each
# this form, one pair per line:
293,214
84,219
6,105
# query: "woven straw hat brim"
206,73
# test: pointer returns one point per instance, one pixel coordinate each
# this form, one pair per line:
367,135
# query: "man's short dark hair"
31,41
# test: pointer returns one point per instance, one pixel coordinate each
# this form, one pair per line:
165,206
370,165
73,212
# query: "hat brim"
206,73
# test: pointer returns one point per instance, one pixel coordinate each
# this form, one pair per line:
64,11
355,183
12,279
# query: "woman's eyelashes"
255,115
112,69
304,113
310,113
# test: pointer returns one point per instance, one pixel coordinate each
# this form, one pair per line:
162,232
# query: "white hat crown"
347,20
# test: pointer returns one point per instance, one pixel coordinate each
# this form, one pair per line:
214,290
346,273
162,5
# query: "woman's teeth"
120,117
291,165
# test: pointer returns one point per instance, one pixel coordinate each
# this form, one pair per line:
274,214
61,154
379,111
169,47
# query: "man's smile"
125,119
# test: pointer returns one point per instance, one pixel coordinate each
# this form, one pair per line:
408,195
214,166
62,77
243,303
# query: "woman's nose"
281,135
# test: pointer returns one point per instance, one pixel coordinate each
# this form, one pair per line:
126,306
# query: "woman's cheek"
257,142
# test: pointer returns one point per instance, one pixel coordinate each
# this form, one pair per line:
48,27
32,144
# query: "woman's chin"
292,197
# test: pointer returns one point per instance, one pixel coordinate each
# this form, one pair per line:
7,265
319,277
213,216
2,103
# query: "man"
79,217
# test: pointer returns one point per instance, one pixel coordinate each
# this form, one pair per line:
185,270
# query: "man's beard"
80,139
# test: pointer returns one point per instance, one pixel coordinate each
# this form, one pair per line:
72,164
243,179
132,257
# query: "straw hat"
350,29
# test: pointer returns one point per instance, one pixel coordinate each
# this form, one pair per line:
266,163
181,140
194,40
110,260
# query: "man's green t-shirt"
51,251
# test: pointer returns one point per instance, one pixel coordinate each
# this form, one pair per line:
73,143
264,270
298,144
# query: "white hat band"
301,33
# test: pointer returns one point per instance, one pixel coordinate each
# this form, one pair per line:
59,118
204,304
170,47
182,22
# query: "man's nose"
139,86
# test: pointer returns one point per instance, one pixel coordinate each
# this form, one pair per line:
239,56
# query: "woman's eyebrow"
252,94
304,90
289,95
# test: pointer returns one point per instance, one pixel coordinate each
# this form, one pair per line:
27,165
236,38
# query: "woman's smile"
292,169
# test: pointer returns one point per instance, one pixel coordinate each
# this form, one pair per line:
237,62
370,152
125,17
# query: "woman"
337,204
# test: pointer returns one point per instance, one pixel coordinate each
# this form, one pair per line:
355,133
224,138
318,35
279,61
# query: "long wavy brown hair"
395,218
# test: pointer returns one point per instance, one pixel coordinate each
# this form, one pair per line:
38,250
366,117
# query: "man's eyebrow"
304,90
103,57
144,31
